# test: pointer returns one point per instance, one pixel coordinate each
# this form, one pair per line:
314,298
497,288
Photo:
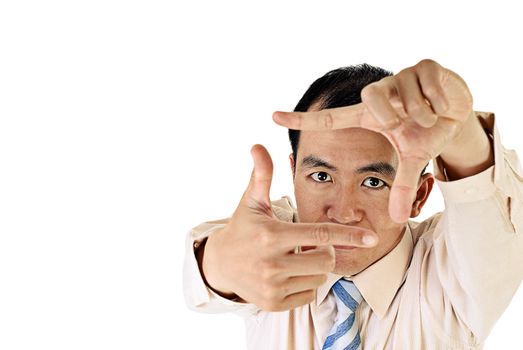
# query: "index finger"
290,235
326,119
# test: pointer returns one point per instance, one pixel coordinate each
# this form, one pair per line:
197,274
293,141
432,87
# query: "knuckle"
268,269
414,107
330,262
267,238
405,72
321,234
426,63
328,120
327,265
327,260
432,91
369,91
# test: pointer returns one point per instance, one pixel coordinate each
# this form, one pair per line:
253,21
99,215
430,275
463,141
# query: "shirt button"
470,190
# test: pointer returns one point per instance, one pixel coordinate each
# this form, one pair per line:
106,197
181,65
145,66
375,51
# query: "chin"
349,263
346,270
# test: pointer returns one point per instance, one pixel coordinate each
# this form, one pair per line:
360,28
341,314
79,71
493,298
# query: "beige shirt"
442,287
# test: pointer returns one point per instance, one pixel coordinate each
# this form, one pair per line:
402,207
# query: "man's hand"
422,111
254,257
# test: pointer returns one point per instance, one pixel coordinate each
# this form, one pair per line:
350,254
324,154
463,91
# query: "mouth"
344,247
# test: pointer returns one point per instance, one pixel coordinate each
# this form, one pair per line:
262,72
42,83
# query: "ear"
291,159
424,189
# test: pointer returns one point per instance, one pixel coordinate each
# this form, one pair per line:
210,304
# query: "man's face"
344,176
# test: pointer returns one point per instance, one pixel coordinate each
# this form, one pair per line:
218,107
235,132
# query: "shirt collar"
378,283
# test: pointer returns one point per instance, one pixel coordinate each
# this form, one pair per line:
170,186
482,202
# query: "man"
346,269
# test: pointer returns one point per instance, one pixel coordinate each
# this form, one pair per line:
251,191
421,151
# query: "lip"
344,247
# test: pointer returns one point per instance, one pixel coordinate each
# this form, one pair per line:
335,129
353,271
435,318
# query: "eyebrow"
378,167
315,162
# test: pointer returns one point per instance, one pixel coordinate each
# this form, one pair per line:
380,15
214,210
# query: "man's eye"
373,182
321,176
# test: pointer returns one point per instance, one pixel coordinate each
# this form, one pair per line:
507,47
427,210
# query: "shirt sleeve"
198,296
478,242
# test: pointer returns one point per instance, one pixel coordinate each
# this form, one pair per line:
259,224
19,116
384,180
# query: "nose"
345,210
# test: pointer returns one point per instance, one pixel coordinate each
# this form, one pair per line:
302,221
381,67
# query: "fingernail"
369,240
276,117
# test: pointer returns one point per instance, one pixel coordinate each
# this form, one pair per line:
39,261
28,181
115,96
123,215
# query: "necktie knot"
348,297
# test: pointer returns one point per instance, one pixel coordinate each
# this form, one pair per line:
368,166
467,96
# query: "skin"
423,112
337,192
252,258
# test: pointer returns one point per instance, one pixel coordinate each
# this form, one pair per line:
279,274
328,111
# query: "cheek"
378,214
388,231
310,204
309,210
377,209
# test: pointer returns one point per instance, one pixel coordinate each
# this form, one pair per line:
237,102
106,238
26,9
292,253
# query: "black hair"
339,87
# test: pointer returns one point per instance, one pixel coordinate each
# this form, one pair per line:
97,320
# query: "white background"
125,123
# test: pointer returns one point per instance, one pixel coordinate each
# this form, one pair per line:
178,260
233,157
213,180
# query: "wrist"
470,152
209,269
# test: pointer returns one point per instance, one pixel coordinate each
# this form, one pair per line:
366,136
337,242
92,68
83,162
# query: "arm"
198,295
478,244
425,111
470,153
252,255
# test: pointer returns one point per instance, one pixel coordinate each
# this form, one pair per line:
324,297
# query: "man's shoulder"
284,209
424,229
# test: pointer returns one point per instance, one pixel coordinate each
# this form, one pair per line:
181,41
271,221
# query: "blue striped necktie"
344,334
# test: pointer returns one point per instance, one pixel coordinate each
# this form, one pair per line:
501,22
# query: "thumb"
403,191
257,193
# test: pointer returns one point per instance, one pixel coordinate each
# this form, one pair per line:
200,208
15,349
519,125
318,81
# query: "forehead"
353,145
